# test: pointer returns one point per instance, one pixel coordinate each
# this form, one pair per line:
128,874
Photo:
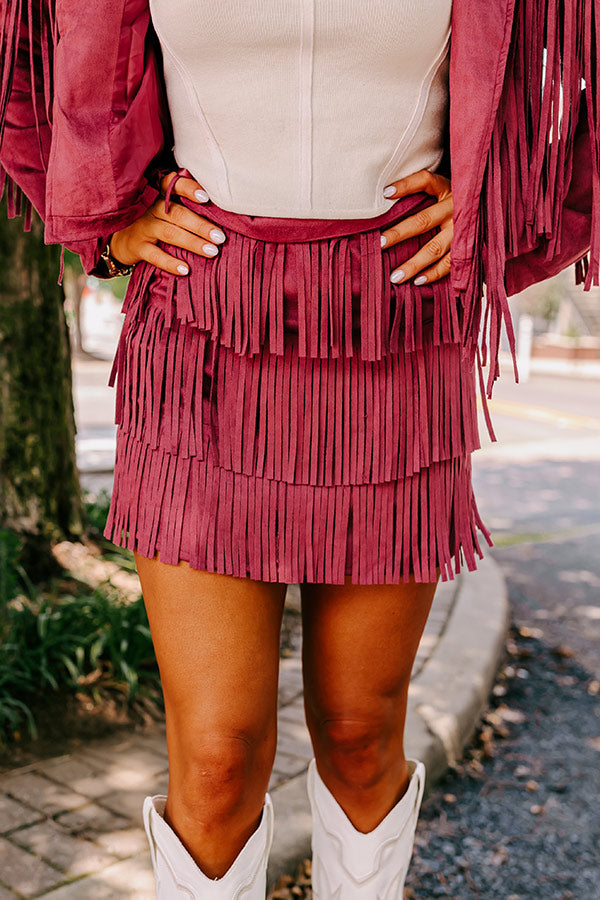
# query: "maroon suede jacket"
85,132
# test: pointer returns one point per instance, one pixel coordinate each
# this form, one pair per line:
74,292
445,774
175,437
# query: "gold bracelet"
114,266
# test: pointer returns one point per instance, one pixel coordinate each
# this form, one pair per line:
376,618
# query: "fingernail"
210,249
383,240
389,191
217,235
397,276
201,195
422,279
183,270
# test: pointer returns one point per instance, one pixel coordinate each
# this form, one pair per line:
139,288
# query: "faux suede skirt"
286,413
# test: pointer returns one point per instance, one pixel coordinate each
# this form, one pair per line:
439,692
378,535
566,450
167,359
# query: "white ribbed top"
305,108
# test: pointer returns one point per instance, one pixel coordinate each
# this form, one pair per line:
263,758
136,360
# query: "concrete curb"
446,700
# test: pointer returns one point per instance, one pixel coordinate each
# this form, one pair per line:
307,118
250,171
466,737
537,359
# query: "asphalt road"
518,819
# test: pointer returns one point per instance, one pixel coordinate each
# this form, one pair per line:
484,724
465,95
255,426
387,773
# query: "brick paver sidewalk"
71,827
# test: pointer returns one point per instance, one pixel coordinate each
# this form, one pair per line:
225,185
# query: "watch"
114,266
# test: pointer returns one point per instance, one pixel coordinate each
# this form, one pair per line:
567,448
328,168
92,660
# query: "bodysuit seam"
411,129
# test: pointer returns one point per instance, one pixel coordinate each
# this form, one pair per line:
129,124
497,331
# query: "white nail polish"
397,276
201,195
383,240
183,270
217,235
422,279
389,191
210,249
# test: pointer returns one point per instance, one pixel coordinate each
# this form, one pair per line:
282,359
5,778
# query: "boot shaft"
178,877
350,865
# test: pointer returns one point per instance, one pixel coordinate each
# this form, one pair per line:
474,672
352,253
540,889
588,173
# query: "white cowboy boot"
350,865
178,877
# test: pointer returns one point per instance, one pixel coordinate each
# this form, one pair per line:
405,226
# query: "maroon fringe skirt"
286,413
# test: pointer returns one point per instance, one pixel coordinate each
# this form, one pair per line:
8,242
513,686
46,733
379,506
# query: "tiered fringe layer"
223,521
271,428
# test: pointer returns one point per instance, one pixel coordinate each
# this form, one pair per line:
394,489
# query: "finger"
172,234
427,255
185,187
180,217
423,180
423,221
439,270
162,260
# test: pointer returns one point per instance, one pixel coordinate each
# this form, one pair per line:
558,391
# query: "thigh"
359,646
217,643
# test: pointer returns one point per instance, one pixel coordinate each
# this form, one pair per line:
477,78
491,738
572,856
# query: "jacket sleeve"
25,130
64,154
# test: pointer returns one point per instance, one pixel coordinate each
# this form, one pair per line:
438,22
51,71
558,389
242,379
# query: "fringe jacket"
85,133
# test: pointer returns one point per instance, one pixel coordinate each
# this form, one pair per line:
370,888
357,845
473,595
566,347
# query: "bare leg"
359,645
217,643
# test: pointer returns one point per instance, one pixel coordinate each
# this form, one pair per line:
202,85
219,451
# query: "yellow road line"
542,414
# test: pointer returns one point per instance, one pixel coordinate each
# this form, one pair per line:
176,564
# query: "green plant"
549,302
116,286
13,577
98,644
10,547
97,506
573,331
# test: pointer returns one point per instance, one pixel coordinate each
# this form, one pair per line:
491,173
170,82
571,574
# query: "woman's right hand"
180,226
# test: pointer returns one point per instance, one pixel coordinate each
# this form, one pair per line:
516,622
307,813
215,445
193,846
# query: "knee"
220,775
357,750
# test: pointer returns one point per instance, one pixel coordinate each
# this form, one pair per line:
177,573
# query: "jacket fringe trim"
530,162
27,27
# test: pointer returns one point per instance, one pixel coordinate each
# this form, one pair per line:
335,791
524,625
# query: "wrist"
115,249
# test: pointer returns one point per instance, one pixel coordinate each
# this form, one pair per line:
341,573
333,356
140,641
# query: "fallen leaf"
527,632
566,680
532,785
486,733
499,856
474,766
511,715
594,743
562,651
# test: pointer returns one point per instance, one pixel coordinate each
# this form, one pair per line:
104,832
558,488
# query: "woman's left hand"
432,261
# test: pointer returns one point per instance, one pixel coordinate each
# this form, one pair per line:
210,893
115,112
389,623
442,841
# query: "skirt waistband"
295,230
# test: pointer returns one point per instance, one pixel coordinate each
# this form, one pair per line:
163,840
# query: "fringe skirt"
286,413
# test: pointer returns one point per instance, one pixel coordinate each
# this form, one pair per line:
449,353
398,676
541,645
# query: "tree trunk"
40,494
